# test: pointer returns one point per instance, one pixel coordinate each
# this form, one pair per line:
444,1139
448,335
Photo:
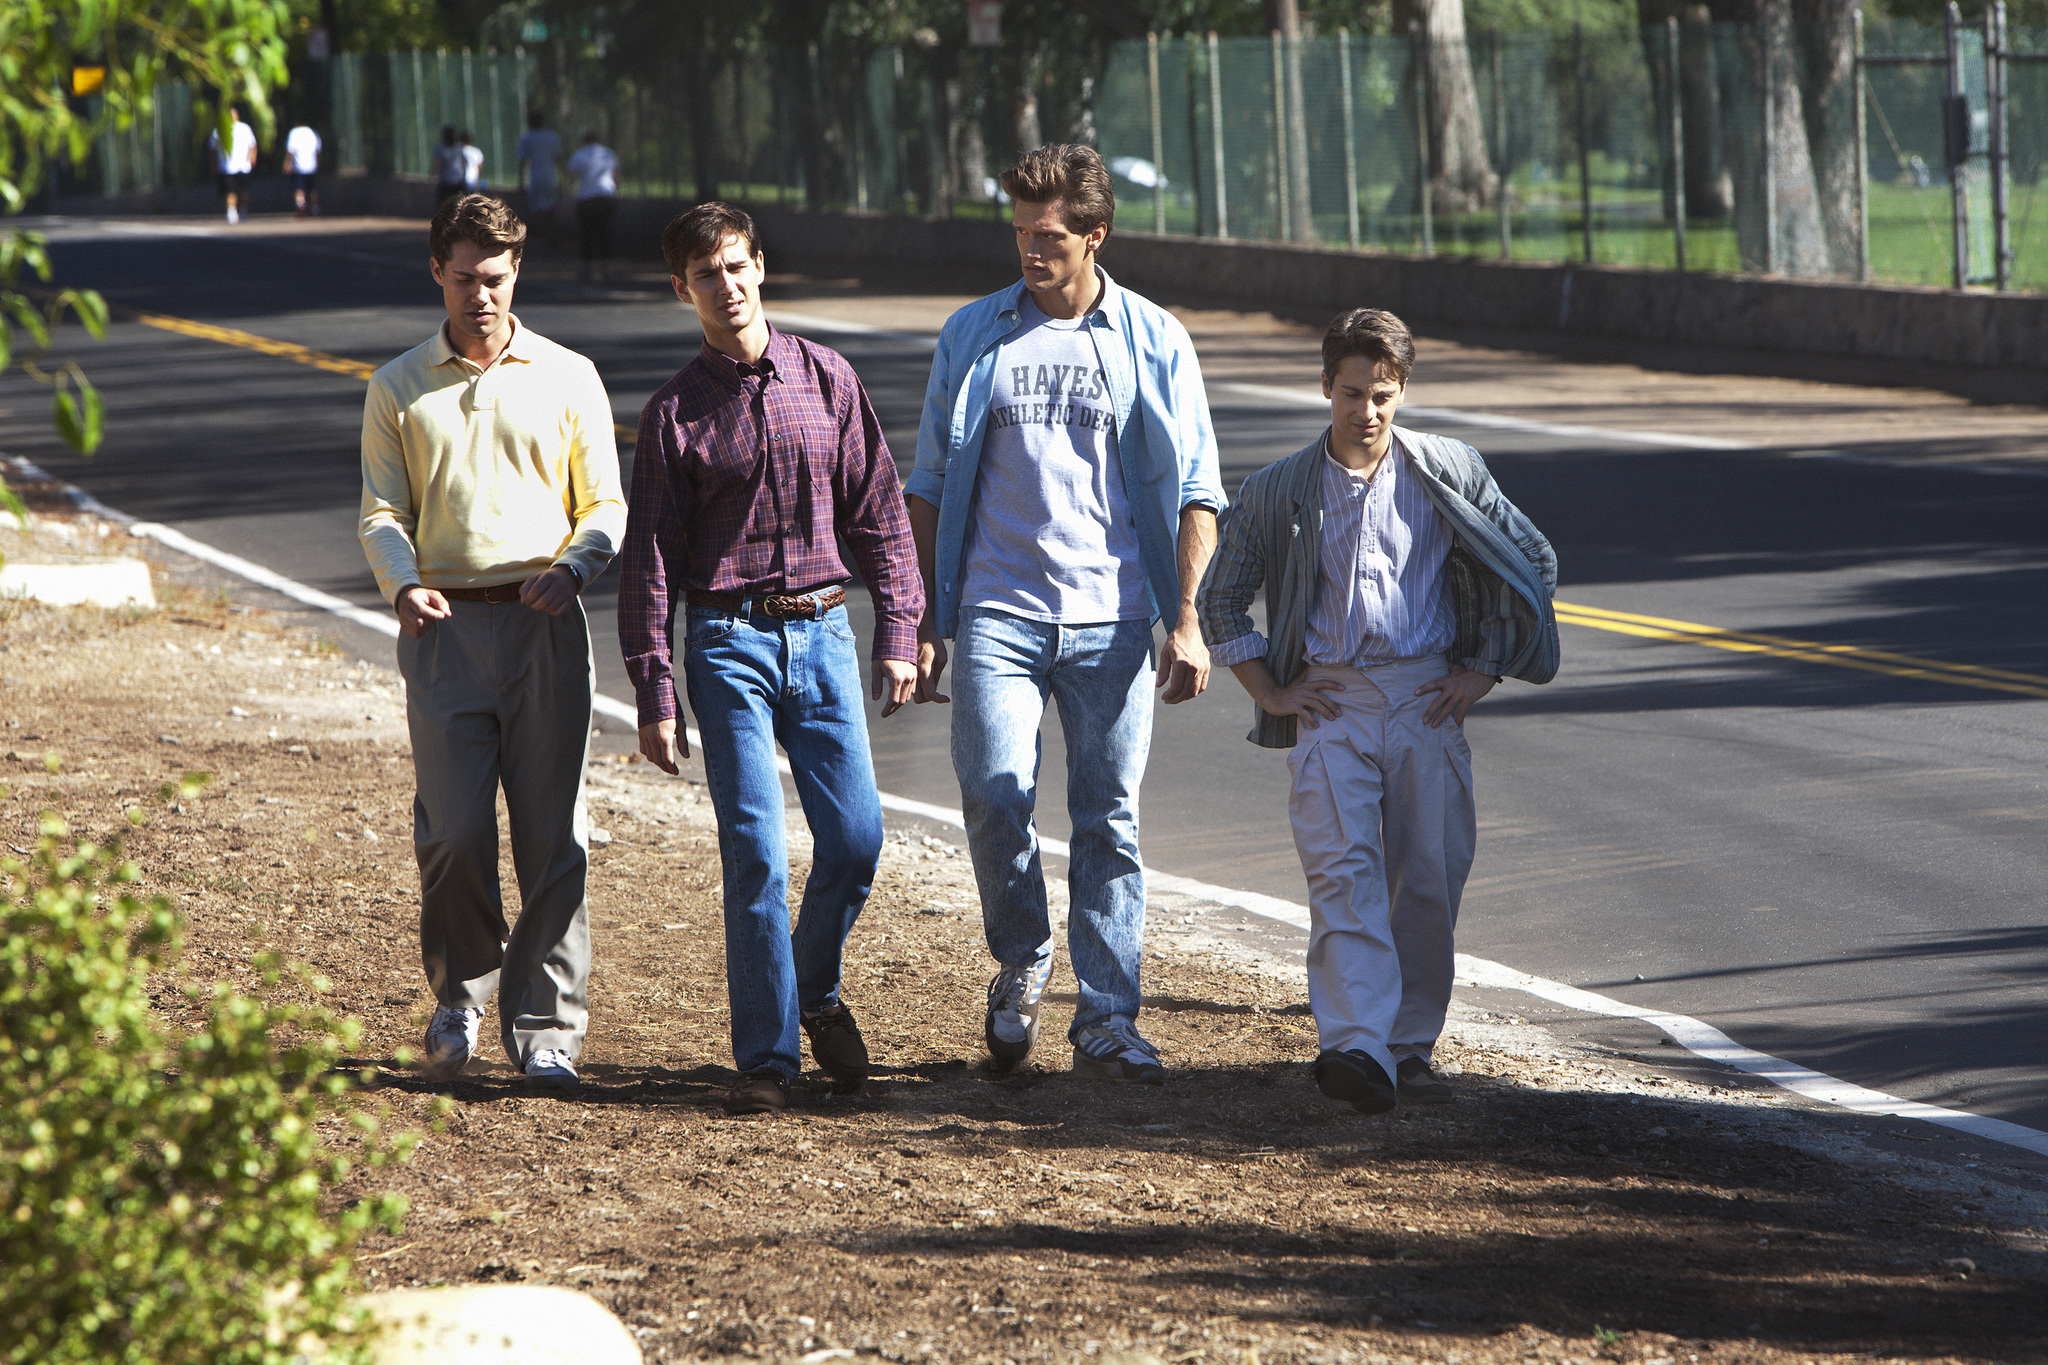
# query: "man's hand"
551,592
658,745
1456,690
1184,663
419,608
896,680
1304,699
931,662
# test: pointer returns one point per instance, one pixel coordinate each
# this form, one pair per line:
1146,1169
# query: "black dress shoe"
1356,1079
1419,1085
762,1091
836,1045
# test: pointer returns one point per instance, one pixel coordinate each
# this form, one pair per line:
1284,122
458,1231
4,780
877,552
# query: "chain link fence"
1695,146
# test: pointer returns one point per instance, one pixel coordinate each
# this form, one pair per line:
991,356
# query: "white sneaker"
1011,1024
234,216
1114,1050
451,1038
552,1068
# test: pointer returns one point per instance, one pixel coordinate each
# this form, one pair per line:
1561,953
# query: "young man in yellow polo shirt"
491,498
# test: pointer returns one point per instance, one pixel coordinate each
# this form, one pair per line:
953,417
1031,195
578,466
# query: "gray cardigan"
1501,573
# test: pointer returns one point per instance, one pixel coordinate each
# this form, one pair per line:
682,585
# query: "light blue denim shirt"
1165,445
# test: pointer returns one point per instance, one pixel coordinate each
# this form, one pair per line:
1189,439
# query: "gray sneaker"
1012,1024
1113,1050
551,1069
451,1039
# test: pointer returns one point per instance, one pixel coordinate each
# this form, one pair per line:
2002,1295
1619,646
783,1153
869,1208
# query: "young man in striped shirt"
1401,587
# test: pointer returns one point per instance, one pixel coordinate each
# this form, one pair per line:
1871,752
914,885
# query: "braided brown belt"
782,606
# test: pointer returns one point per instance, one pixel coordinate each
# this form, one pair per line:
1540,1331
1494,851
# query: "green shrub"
164,1200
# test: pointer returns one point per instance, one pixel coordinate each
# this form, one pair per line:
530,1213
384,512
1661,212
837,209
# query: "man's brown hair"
1373,333
480,219
1071,175
702,230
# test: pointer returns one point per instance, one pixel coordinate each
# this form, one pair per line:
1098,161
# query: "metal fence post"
1862,95
2001,152
1957,126
1216,137
1585,153
1419,59
1350,137
419,111
1500,142
1281,195
1158,136
1677,145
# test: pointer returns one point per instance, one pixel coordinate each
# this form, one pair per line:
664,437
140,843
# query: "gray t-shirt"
1053,538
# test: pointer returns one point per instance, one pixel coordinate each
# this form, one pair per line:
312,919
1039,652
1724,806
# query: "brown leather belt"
782,606
496,594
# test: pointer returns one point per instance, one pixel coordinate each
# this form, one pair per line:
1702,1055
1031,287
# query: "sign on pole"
984,23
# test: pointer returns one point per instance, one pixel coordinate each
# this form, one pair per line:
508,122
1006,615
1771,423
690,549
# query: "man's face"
1052,255
1364,396
477,289
724,286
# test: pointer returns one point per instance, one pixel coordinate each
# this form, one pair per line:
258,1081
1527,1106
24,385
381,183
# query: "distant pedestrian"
1401,586
596,168
451,167
539,149
491,499
1064,501
472,164
302,159
235,163
756,464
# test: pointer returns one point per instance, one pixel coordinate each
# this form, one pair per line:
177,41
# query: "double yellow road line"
1593,618
1803,651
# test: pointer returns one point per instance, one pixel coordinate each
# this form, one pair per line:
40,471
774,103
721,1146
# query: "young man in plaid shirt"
753,462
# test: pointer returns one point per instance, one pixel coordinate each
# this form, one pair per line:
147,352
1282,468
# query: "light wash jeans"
1100,676
754,682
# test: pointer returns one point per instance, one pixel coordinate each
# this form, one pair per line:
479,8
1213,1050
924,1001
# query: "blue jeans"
1100,676
754,682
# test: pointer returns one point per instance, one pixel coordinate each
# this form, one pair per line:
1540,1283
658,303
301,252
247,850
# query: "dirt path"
1566,1208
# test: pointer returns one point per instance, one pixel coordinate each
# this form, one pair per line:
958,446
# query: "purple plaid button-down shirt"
744,479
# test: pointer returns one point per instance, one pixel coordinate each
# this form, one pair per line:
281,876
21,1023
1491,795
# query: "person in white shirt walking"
234,163
302,159
596,168
539,150
450,166
472,164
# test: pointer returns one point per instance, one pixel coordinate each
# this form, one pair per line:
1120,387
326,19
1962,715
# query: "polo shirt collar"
519,348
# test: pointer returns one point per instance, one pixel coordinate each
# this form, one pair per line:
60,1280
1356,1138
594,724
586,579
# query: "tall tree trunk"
704,121
1708,193
1285,18
1778,147
1461,174
1826,32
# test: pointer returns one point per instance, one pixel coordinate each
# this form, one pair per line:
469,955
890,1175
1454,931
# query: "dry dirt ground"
1561,1210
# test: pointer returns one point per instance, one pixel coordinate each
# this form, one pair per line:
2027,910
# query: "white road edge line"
1695,1036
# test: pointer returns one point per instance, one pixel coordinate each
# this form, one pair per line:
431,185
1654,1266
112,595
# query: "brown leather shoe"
1419,1085
762,1091
836,1045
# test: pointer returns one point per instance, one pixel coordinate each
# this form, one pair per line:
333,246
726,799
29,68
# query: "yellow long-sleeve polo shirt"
474,477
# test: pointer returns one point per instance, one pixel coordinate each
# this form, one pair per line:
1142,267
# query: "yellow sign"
88,80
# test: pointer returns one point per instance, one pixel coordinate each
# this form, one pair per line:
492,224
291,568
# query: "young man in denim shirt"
1064,499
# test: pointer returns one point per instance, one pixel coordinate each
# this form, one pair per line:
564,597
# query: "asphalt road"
1839,867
